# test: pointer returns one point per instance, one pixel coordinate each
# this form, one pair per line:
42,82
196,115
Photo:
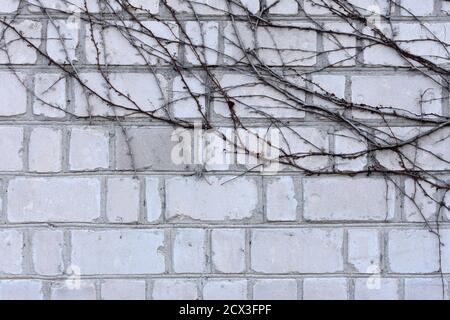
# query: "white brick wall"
90,191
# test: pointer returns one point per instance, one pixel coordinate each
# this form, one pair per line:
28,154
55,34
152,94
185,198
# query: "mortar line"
220,276
206,224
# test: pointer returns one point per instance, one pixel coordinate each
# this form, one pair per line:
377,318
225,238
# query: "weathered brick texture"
102,201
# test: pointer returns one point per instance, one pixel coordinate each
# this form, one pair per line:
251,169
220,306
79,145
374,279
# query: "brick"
364,252
219,153
53,199
371,4
209,199
62,41
228,250
297,43
19,51
377,289
84,290
129,92
330,199
11,244
73,6
445,7
417,8
445,238
149,6
297,250
255,99
151,149
174,289
428,154
189,251
340,48
89,91
118,251
225,290
157,40
45,150
283,6
50,95
303,141
9,6
413,251
89,149
425,289
328,85
420,201
21,290
11,146
281,197
122,205
203,43
215,7
123,290
257,141
325,289
47,246
384,92
416,38
318,7
238,35
100,51
276,289
382,56
143,91
188,97
154,193
348,144
365,7
211,7
252,6
251,142
13,92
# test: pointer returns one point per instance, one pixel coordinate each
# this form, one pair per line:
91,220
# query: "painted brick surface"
94,206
